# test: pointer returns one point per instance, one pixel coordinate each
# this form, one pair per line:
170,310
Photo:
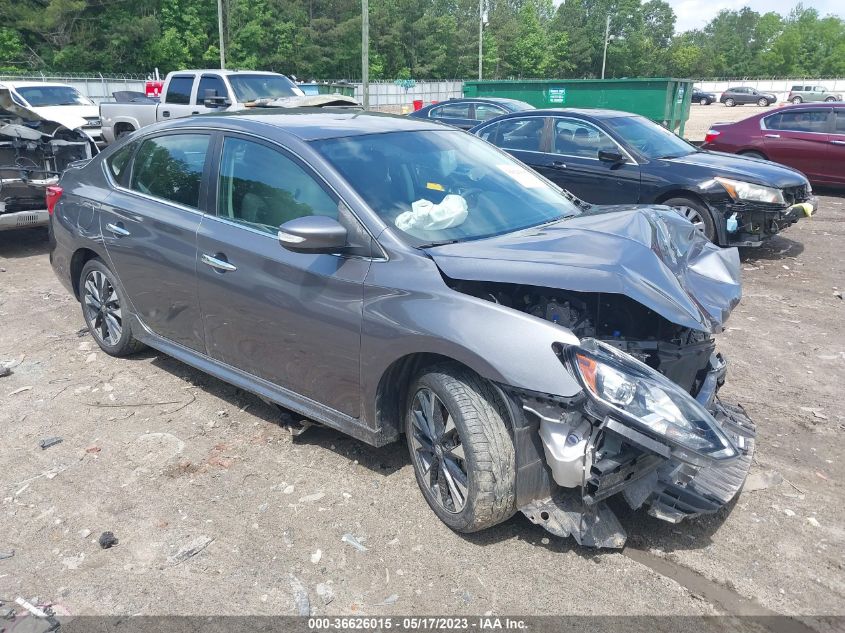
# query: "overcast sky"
694,14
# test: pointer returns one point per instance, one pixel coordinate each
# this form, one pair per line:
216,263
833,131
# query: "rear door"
799,138
149,225
486,111
522,137
457,114
293,319
177,99
835,165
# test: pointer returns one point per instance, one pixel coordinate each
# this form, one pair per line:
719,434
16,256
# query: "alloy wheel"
694,216
704,102
438,451
102,308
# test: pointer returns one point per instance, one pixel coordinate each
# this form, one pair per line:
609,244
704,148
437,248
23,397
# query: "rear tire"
696,213
797,100
752,154
461,448
103,307
730,103
830,99
704,102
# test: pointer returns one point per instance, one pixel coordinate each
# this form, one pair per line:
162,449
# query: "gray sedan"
390,277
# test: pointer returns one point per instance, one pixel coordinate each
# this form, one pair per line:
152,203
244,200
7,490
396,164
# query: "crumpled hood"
313,101
71,117
650,254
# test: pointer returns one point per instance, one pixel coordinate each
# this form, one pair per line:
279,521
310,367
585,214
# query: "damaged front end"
33,154
647,425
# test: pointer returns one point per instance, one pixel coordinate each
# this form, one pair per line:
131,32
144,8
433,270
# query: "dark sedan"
399,279
808,137
743,95
703,98
610,157
467,113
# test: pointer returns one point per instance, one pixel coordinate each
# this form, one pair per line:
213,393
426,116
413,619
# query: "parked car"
702,98
743,95
189,92
810,138
611,157
467,113
386,276
33,153
802,93
58,102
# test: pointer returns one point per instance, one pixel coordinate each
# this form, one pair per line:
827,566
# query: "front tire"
697,213
103,308
730,103
797,100
830,99
704,102
763,103
461,448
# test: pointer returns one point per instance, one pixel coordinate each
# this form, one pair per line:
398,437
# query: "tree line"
422,39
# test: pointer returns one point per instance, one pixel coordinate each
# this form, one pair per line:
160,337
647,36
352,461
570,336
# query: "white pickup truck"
190,92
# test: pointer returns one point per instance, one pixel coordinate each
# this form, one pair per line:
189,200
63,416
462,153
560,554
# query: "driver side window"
262,188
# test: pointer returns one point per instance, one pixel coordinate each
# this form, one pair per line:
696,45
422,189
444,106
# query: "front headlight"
637,394
739,190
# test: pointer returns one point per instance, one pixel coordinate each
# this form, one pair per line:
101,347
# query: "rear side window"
799,121
179,90
261,187
213,83
118,163
485,112
797,88
451,111
170,167
518,134
839,125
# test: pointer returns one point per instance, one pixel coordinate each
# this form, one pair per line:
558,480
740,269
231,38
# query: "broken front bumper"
637,467
757,221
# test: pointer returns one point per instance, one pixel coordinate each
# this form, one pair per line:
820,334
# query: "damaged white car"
34,152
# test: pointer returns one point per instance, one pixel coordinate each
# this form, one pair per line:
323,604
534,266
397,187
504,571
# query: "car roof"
33,84
227,73
310,124
595,113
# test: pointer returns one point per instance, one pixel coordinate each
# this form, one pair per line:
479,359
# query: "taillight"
711,135
54,192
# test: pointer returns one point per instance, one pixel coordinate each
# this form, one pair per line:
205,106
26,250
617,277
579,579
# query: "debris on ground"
300,596
5,555
788,512
93,449
190,550
391,599
761,481
325,592
816,411
47,442
5,371
21,390
309,498
45,613
354,542
813,521
316,556
107,540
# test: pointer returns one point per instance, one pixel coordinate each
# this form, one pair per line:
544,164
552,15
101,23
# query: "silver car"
393,277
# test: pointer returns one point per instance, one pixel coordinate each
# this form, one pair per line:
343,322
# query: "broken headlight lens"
638,395
739,190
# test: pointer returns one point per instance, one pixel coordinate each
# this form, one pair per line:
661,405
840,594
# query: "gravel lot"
702,117
219,511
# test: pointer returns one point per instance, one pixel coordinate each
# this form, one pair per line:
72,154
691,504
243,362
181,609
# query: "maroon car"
808,137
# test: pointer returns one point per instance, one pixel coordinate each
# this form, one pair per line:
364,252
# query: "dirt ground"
219,511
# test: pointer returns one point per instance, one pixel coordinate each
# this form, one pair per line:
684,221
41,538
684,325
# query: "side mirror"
211,99
611,156
313,234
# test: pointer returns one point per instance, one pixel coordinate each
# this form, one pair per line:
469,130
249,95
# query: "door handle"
165,113
835,142
118,230
772,135
556,164
195,112
218,264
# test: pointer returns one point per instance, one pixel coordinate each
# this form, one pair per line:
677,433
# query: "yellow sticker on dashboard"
435,186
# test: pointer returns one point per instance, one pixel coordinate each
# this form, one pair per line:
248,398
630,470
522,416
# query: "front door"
149,230
293,319
573,163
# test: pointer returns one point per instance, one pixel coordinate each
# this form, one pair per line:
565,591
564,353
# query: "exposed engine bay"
33,154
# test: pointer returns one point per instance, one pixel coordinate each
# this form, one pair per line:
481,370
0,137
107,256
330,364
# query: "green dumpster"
347,90
664,101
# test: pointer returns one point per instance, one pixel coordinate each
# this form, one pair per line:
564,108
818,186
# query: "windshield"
38,96
252,87
649,139
444,186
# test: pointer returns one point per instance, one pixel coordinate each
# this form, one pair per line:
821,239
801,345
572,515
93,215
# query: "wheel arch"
77,262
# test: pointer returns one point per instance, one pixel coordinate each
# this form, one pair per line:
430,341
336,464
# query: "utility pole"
220,33
365,52
480,36
606,36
